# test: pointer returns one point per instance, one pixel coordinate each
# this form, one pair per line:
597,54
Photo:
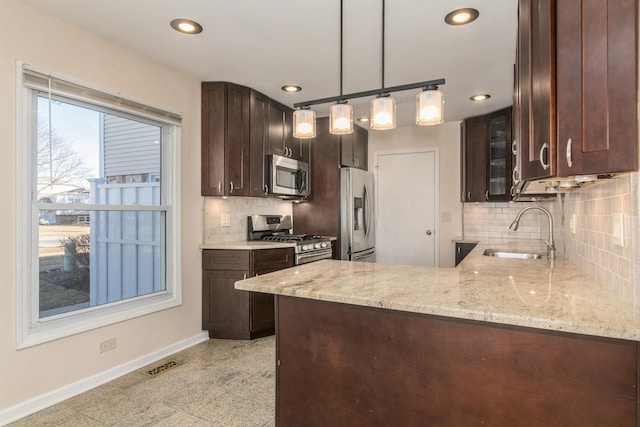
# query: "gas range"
278,229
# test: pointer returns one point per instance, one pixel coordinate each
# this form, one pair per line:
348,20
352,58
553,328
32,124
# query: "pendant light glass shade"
304,124
383,113
341,119
430,107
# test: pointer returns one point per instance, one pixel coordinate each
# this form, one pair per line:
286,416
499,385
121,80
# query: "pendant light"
429,103
430,106
341,118
383,106
304,123
341,113
383,112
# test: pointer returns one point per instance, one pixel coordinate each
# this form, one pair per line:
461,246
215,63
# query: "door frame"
436,202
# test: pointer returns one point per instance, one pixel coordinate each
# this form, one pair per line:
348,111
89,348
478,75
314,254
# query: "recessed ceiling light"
186,26
461,16
291,88
480,97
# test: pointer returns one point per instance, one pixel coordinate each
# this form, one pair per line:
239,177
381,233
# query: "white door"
407,204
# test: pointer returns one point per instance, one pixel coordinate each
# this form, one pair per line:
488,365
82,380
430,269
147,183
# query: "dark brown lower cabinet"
462,250
347,365
229,313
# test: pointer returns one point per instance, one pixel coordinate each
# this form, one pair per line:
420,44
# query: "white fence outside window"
125,255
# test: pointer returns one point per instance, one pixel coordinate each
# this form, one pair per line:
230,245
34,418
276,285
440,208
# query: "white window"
98,208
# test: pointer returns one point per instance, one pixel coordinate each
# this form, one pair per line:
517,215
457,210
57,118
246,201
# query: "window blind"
50,83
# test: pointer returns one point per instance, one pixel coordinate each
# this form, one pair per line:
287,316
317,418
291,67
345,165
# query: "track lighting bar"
369,93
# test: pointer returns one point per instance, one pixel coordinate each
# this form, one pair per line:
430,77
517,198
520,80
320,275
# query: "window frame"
33,330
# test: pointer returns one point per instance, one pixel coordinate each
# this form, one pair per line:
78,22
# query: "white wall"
447,138
35,38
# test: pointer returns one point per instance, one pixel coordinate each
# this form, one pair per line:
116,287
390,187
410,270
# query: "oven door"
288,177
306,257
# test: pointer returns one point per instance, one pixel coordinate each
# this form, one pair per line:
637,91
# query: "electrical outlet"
107,345
618,229
225,220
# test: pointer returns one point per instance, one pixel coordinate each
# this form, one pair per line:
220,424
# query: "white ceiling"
265,44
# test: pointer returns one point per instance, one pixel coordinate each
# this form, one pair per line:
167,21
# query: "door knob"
428,232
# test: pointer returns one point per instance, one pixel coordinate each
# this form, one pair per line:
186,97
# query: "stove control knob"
305,247
316,245
325,244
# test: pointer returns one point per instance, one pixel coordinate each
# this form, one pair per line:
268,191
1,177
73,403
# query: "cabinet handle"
515,176
231,187
513,191
245,276
469,195
486,195
545,166
458,249
266,190
219,187
569,143
514,148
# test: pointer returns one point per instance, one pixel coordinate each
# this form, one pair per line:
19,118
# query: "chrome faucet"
551,245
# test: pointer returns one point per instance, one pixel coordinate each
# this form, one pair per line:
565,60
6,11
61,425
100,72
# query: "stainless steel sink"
508,254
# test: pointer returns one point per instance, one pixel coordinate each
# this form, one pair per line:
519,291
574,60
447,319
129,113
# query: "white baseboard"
43,401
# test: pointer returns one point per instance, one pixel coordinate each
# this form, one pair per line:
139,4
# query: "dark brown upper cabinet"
240,126
597,75
576,92
536,88
353,148
225,139
474,159
259,131
486,157
281,140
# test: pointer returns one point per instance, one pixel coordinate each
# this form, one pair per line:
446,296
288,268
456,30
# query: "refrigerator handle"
365,204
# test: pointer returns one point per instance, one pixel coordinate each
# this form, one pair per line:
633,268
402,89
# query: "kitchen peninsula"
492,342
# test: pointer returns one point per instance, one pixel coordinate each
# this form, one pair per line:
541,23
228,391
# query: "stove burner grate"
289,237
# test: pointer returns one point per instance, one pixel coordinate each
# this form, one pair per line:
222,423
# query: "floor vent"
163,367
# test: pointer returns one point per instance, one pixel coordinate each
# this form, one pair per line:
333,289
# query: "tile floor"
220,383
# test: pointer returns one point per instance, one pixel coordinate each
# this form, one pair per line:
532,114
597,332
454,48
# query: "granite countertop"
462,239
523,292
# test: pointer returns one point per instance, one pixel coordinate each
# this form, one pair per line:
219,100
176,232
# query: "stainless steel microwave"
287,177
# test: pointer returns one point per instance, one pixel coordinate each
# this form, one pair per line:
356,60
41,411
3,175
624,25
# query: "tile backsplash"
213,208
593,247
489,222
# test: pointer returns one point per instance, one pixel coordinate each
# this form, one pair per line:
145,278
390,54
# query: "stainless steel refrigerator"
357,215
